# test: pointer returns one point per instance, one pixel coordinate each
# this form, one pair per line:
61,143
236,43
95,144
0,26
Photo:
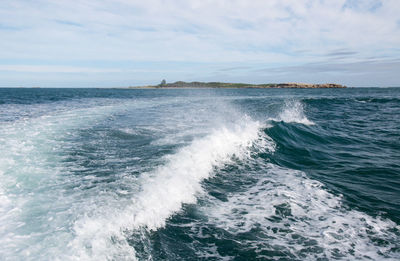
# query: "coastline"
222,85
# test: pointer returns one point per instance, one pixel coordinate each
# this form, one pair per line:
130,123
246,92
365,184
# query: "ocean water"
200,174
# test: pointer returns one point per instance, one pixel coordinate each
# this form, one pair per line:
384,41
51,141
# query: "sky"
104,43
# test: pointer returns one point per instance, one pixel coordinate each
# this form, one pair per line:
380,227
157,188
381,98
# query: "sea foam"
287,211
34,205
293,112
163,191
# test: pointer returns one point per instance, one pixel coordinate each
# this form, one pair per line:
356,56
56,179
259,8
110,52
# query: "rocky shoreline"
181,84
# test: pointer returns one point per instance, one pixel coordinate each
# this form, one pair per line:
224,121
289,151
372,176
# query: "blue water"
195,174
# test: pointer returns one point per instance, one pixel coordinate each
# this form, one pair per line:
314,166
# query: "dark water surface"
195,174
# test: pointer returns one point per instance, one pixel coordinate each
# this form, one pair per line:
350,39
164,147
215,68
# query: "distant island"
181,84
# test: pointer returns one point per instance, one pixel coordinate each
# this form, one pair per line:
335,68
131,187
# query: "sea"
199,174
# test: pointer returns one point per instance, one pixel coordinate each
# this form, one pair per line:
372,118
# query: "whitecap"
163,191
293,112
301,216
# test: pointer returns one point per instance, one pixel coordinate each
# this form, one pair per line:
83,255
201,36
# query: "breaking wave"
163,191
293,112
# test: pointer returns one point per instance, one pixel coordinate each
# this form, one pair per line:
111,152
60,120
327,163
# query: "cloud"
363,5
224,33
341,52
64,22
53,69
365,67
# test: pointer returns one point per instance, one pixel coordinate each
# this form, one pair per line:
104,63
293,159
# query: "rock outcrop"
307,85
181,84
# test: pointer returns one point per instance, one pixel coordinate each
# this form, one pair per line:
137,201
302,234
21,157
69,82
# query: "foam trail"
293,112
34,208
163,192
297,215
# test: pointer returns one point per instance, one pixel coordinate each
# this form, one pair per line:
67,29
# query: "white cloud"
54,69
275,32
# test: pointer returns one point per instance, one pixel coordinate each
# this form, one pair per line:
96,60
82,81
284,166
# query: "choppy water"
90,174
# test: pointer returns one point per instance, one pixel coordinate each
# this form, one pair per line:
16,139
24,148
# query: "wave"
292,111
287,212
93,216
35,204
163,191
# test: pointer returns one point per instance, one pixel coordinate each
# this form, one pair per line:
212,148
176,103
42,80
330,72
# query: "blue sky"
117,43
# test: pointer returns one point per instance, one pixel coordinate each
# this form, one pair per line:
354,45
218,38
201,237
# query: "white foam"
163,191
293,112
35,211
47,212
179,181
294,211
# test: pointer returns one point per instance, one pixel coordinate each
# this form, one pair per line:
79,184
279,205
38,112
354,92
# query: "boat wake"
164,190
76,185
288,214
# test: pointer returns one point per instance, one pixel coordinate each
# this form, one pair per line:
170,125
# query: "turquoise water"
216,174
